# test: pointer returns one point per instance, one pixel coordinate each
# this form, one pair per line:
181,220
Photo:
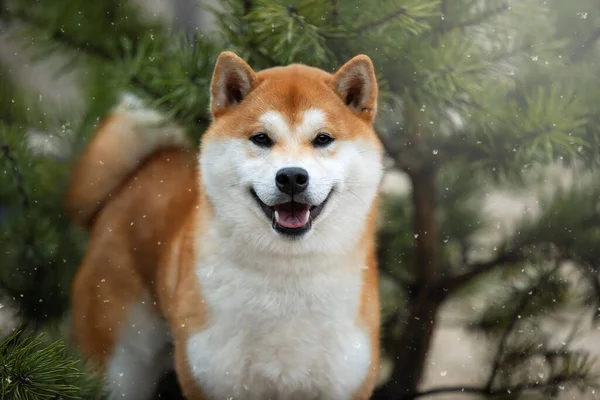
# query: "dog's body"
257,261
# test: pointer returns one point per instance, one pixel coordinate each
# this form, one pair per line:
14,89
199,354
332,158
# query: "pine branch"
103,55
451,284
33,369
585,46
504,339
57,35
591,274
526,296
501,391
31,260
488,389
496,58
444,71
479,19
254,47
85,48
402,11
18,178
25,203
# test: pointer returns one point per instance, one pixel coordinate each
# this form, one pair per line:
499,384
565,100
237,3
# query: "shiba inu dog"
254,260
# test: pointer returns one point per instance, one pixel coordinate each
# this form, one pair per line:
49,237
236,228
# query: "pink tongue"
292,215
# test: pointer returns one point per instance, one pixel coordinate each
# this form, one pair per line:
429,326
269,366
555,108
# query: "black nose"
292,180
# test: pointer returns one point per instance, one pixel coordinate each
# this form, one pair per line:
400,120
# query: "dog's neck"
218,239
243,253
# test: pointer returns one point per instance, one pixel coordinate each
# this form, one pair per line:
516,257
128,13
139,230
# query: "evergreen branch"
526,296
402,11
25,202
590,272
479,19
441,73
248,6
33,369
18,178
30,254
489,390
501,391
58,36
504,338
100,54
86,48
585,46
509,54
139,84
452,284
474,153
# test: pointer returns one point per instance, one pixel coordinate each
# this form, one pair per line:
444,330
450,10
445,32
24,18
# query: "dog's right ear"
232,80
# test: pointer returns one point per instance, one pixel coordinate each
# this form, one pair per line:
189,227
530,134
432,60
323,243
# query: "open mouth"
292,218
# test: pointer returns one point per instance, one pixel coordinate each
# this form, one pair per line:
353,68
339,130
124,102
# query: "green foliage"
31,368
569,221
173,73
38,242
396,237
531,291
12,109
124,52
528,346
117,26
459,221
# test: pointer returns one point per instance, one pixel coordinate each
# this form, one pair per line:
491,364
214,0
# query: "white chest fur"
279,336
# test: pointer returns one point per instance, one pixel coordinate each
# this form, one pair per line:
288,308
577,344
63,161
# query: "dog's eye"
261,140
322,140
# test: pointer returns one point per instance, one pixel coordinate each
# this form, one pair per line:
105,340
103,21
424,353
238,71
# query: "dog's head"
291,162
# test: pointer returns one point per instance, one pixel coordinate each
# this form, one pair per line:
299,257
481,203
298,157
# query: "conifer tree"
475,95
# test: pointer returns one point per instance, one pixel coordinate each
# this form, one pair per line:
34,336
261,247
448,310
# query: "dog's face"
291,163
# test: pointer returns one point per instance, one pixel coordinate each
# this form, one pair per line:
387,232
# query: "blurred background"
489,239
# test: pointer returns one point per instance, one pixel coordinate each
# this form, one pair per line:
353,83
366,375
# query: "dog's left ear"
232,80
356,84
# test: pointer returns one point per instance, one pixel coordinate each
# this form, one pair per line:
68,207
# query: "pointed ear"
356,84
232,80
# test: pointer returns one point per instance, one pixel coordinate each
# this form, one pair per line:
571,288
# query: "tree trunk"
409,352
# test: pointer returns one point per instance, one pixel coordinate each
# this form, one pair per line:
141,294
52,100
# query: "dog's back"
132,188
